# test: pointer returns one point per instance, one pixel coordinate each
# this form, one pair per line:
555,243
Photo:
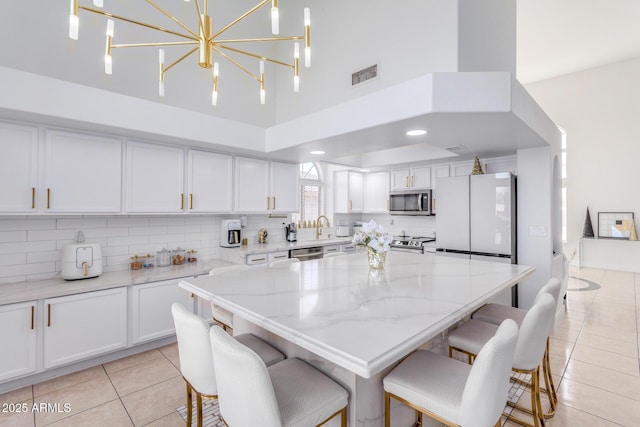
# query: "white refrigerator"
476,219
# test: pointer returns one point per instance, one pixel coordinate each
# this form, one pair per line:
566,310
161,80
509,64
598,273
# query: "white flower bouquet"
374,237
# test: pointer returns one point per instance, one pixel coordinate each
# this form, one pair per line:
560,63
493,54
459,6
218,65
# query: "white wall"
600,110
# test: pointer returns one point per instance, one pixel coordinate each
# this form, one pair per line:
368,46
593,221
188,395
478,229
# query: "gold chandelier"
206,42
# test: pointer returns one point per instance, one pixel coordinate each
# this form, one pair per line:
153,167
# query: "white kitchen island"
354,323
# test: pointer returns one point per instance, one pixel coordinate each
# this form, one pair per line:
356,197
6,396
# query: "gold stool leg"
550,386
199,408
387,409
189,406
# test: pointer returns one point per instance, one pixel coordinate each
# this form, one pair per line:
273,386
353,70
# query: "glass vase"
376,259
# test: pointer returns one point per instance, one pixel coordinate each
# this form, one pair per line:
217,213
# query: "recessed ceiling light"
317,152
364,170
416,132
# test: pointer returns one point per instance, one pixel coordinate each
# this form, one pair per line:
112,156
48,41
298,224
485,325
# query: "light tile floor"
594,359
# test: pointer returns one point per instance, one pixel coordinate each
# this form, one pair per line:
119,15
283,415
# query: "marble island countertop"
360,319
57,286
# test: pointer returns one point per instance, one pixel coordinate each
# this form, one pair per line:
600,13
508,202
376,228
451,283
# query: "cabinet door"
82,173
210,182
18,168
19,335
400,180
341,192
81,326
439,171
284,187
356,192
462,168
155,178
252,185
376,195
420,177
151,309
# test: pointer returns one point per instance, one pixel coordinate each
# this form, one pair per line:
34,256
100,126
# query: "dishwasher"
305,254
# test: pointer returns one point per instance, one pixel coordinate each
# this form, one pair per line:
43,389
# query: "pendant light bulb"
296,61
275,17
214,92
74,20
98,3
262,91
307,37
161,76
108,61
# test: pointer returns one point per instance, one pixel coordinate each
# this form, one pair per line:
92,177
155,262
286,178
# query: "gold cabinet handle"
350,204
48,315
33,197
190,200
413,180
182,201
387,204
33,317
268,202
48,198
274,203
433,204
406,181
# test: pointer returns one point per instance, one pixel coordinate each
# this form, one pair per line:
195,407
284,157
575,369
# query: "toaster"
81,261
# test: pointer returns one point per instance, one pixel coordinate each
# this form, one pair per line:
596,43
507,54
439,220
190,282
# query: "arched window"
310,194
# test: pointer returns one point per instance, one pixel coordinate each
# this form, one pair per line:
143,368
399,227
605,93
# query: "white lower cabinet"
18,333
80,326
151,309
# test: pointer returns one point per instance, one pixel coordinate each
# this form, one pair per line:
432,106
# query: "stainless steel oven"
410,202
306,254
410,244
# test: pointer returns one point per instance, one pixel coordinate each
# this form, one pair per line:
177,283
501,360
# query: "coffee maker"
230,233
291,232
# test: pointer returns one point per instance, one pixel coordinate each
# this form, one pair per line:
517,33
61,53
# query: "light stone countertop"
360,319
50,288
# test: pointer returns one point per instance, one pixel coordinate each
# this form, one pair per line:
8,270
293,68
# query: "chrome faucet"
318,233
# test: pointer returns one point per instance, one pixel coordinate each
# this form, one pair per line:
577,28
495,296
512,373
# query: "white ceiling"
554,37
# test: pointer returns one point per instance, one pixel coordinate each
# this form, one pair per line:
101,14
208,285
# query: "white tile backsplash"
31,247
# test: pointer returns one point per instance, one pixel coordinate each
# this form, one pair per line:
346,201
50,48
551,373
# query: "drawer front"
277,256
256,259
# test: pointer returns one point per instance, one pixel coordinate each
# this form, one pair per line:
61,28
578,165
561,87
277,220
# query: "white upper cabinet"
210,178
263,187
376,194
18,168
461,168
413,178
437,171
252,185
155,178
284,187
82,173
348,192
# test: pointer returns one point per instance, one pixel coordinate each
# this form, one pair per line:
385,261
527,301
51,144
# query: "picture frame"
615,225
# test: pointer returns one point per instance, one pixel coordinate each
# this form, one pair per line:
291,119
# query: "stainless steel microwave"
410,202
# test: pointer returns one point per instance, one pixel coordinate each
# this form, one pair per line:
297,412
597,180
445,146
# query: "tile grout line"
118,394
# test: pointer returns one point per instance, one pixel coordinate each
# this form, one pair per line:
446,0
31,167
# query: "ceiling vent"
361,76
456,149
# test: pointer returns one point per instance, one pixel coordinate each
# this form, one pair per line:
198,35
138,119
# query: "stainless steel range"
413,244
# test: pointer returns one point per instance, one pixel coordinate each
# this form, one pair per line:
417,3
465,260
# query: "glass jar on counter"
163,258
135,263
191,255
178,257
149,261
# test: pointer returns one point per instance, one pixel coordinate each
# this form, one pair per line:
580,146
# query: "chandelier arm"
240,18
152,44
200,21
174,19
142,24
264,58
179,59
230,59
261,39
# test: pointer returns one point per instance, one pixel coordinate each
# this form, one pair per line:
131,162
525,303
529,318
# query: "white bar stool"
473,335
289,393
453,392
283,262
496,313
196,359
